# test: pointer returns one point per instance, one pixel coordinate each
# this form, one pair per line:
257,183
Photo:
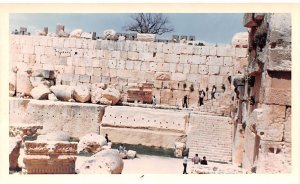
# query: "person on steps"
201,97
213,91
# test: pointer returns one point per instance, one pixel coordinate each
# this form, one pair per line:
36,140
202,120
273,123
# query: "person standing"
204,161
213,91
196,159
201,97
185,101
185,160
153,100
106,137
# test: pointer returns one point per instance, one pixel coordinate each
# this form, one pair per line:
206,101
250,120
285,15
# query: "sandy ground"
143,164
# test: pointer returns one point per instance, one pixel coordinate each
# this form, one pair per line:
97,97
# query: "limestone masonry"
76,88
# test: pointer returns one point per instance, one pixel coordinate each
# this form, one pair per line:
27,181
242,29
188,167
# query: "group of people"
201,97
185,98
196,160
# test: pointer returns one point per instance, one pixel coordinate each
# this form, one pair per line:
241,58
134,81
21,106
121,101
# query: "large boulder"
111,95
14,152
104,162
54,136
91,143
110,34
63,92
40,92
24,85
82,93
131,154
76,33
96,94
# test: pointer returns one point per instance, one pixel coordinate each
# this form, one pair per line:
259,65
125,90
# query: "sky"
210,28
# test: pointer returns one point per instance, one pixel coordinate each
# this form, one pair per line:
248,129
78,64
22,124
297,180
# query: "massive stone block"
135,117
144,137
74,118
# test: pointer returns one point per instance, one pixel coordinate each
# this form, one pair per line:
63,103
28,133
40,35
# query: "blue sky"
212,28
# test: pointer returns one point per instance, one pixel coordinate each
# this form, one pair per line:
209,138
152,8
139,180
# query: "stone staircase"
220,105
210,136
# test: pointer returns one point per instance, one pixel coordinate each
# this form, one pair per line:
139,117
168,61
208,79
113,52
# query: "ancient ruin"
86,87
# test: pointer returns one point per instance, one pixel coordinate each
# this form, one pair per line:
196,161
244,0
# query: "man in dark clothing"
213,91
204,161
106,137
201,97
185,101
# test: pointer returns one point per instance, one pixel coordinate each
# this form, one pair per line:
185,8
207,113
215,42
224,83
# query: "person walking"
213,91
185,160
185,101
201,97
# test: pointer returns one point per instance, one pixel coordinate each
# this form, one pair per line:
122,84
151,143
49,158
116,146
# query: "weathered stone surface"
179,149
96,93
52,97
63,92
53,157
164,139
91,143
104,162
250,149
277,96
47,74
82,93
274,157
162,76
24,85
110,96
109,34
240,40
216,168
76,33
131,154
40,92
76,119
136,117
280,60
87,35
146,37
14,152
54,136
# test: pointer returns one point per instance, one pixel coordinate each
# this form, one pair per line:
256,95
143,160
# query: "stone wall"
266,98
174,69
76,119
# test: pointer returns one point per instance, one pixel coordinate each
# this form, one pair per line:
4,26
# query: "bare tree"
155,23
